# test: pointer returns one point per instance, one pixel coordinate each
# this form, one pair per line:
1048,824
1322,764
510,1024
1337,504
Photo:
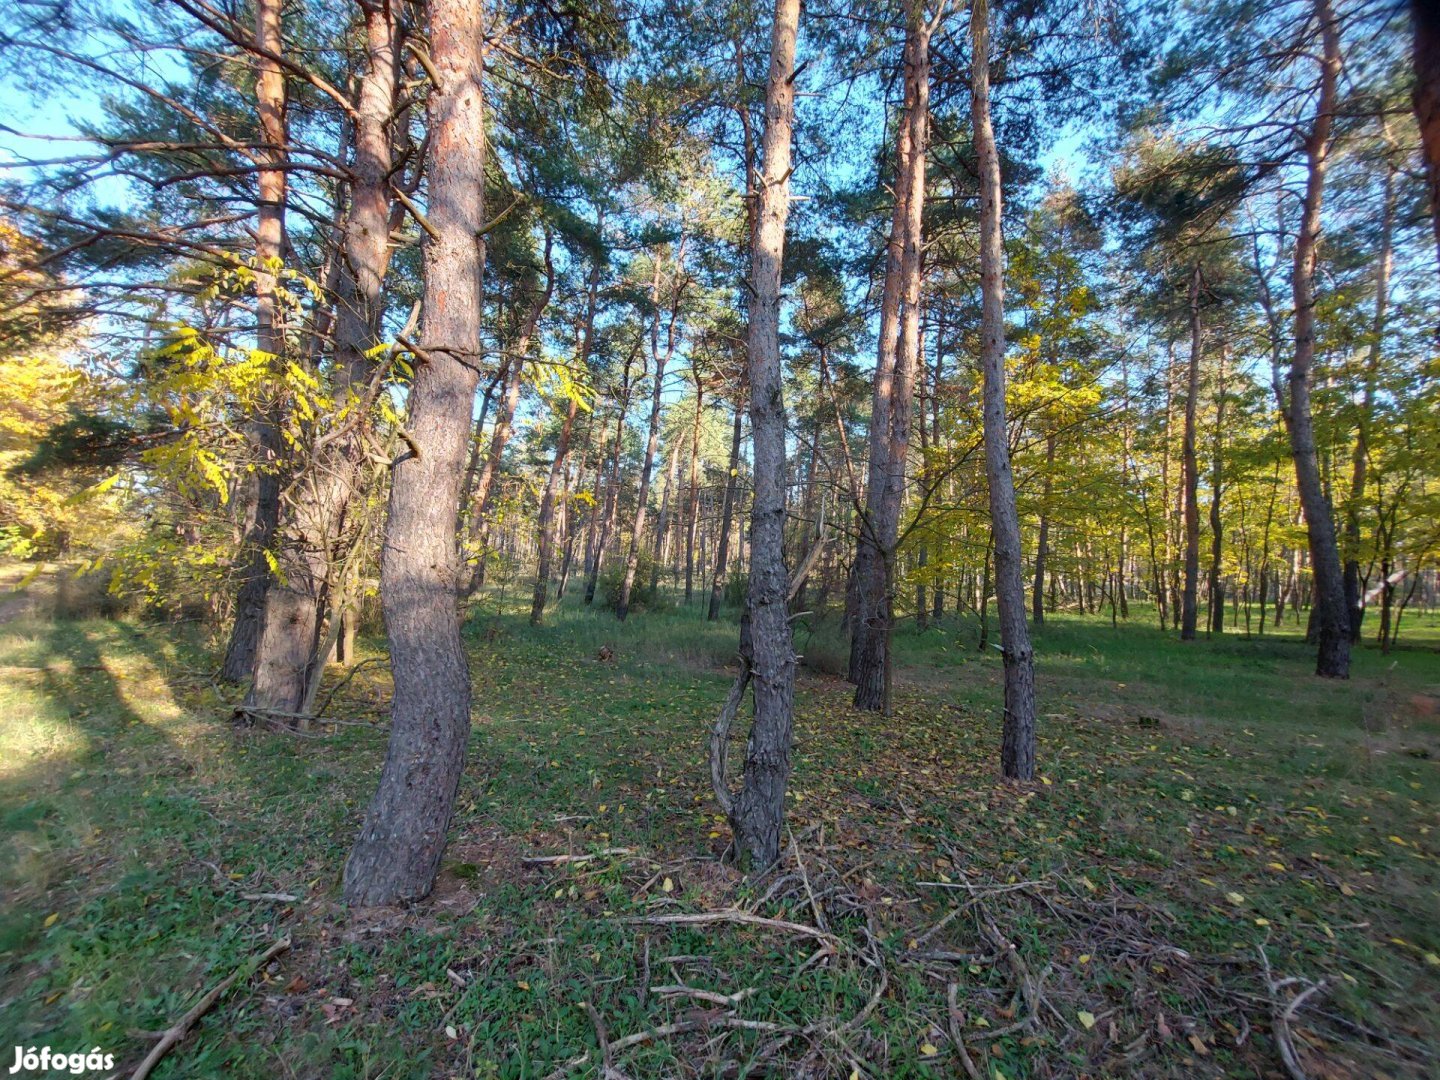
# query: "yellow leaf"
1235,898
1086,1018
929,1049
1276,866
1432,959
1262,922
667,886
50,920
1084,958
523,985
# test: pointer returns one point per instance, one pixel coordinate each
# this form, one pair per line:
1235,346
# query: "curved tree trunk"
1017,755
398,852
1332,621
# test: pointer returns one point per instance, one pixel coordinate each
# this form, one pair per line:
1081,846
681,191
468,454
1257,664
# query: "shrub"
642,593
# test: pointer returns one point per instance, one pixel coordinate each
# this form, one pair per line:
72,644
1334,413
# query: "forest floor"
1226,863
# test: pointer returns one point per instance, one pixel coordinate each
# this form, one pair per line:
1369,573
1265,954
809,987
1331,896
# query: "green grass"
1211,798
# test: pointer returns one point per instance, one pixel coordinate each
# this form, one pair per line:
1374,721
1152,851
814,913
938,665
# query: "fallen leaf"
1086,1018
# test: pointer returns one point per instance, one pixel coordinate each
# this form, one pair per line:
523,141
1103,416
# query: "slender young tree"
398,851
757,813
1017,754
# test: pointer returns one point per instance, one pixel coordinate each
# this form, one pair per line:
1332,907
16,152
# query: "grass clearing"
1198,805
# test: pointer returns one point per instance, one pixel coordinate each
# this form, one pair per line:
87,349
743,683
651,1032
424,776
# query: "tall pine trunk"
398,852
318,523
1017,755
892,399
264,430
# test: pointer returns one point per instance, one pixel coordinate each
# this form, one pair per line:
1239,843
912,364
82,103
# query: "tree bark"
264,516
398,852
1017,756
757,815
1332,620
